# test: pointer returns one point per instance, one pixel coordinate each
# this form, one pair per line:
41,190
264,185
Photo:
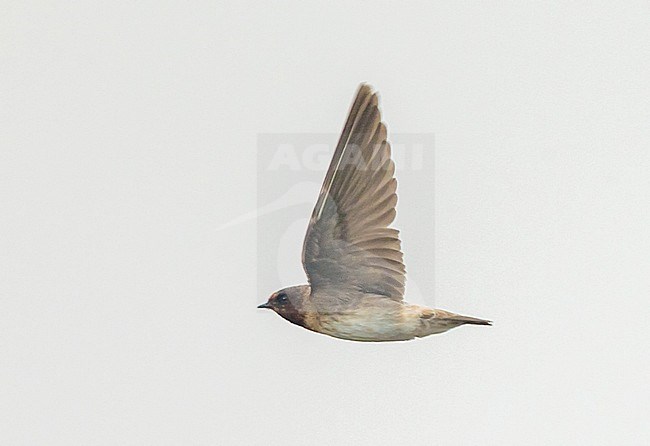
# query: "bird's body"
352,257
362,316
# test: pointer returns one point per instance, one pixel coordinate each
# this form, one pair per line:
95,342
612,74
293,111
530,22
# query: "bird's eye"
282,298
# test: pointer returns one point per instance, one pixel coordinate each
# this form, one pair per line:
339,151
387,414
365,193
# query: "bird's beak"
264,305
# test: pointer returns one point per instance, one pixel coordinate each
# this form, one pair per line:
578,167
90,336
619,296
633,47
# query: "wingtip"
365,88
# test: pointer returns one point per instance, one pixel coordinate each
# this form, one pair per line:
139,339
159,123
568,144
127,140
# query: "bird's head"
288,303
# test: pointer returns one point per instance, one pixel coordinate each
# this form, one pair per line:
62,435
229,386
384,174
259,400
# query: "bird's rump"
349,246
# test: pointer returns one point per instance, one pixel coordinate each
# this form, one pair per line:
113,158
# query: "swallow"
351,255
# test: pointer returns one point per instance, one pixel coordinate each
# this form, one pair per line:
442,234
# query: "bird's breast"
369,323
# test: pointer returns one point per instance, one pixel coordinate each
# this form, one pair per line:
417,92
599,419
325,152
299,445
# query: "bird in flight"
352,258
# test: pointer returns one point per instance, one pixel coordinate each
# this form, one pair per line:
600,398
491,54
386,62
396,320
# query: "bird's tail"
438,321
461,320
457,319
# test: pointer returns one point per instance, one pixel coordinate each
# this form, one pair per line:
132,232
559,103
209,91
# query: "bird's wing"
349,246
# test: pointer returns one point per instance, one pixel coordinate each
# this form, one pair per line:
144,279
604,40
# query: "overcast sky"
131,133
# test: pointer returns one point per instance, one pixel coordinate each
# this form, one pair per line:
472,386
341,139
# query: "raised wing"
349,246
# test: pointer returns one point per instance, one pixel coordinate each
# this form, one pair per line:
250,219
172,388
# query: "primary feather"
348,243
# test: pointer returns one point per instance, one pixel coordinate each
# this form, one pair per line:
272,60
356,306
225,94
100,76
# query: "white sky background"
128,136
